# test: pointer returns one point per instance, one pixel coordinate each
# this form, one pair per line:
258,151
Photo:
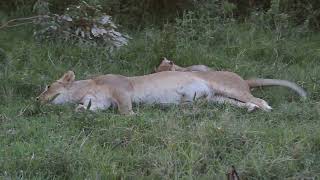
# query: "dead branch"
6,24
233,174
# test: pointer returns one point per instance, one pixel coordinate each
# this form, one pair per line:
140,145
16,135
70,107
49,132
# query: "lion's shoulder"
114,80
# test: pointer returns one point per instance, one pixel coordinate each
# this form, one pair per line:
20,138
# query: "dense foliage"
141,12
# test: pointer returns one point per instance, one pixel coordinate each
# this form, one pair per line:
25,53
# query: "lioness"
169,87
168,65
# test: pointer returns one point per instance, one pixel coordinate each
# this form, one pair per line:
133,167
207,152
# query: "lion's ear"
165,60
68,77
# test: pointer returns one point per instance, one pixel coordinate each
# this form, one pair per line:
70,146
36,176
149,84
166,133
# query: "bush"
139,13
83,22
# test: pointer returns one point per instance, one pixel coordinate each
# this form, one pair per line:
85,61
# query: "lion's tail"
277,82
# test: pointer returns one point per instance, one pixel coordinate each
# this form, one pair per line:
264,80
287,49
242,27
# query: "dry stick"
233,175
6,24
17,24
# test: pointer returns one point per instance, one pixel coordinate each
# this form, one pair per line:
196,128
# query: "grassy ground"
194,141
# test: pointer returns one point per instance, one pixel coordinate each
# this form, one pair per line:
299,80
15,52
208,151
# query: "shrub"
80,23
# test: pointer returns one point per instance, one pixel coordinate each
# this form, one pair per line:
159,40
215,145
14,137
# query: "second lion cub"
168,65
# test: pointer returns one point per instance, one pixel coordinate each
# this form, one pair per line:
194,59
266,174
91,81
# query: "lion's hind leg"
262,104
249,98
222,99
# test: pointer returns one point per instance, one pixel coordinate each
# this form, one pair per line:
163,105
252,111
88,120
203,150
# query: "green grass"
191,142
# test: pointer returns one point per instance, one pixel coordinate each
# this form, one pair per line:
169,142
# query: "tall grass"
188,141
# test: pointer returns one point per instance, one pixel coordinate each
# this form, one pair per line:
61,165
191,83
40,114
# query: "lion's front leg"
80,108
124,102
90,102
87,103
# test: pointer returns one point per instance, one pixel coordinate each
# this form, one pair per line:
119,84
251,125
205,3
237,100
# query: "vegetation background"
269,39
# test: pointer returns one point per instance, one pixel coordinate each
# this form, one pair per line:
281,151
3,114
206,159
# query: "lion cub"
168,65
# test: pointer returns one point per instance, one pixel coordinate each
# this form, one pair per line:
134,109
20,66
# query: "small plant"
33,108
81,23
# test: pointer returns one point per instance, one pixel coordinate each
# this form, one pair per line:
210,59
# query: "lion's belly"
195,90
172,94
154,95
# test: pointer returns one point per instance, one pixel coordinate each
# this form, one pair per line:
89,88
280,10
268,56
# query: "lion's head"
165,65
57,88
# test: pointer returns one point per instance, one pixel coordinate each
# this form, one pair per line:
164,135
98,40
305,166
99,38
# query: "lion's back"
115,81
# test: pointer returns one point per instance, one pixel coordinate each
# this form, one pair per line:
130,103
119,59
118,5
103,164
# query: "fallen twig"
233,174
6,24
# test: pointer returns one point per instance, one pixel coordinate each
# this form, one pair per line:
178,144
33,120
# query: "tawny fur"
168,65
170,87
